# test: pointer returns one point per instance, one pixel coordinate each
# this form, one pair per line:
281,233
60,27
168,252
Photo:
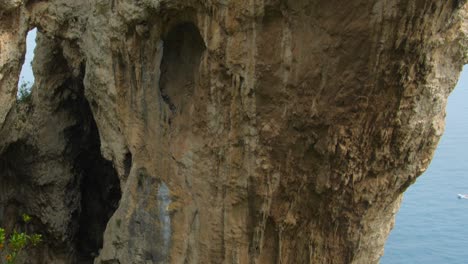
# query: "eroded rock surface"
221,131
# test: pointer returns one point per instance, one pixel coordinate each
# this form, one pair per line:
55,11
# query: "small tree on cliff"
24,92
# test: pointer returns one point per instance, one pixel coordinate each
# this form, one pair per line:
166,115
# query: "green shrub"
24,92
11,246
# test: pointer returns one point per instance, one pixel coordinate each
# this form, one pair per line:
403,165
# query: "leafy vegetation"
12,245
24,92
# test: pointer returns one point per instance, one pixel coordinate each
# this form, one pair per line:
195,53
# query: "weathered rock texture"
221,131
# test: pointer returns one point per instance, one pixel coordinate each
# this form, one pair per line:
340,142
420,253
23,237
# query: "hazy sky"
26,72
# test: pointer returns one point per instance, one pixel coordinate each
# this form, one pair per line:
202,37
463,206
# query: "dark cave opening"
100,196
183,49
98,182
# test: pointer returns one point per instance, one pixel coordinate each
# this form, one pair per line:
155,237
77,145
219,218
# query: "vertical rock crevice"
96,178
100,194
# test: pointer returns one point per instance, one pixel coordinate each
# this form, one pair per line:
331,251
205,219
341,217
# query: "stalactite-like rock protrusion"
217,131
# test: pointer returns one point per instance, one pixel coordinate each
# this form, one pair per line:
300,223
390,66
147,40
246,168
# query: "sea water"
432,225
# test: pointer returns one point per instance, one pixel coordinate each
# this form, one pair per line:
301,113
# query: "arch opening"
26,79
99,186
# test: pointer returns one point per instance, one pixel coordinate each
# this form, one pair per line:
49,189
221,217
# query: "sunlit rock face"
221,131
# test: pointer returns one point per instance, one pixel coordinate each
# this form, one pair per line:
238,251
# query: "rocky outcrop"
209,131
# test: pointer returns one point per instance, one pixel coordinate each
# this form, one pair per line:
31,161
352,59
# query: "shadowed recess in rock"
99,185
183,48
100,196
14,170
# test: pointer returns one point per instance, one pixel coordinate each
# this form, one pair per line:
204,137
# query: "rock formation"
221,131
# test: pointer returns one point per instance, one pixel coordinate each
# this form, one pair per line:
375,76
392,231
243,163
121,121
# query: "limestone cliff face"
221,131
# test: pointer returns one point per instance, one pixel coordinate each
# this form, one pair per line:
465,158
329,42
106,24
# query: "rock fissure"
99,190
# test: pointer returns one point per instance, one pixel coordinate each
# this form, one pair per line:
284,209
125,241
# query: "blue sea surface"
432,225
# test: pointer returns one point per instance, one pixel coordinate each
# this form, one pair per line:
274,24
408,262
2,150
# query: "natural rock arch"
292,137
